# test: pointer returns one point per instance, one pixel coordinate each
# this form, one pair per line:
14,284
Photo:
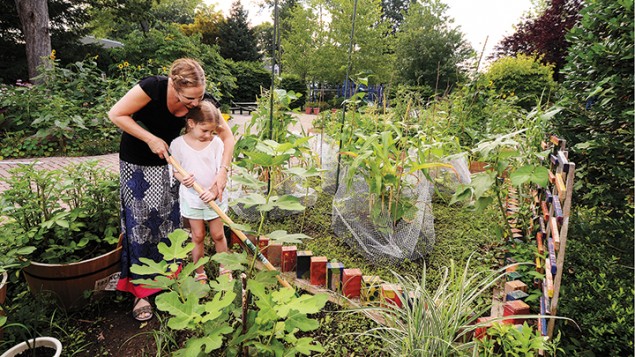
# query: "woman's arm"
121,115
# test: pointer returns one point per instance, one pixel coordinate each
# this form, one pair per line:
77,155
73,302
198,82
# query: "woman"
151,115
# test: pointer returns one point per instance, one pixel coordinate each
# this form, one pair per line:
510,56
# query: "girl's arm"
225,134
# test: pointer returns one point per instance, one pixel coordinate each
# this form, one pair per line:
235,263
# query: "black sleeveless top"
154,117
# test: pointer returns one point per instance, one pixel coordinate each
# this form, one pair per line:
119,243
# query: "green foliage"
211,314
598,124
522,76
510,340
297,85
169,43
597,287
237,41
67,214
64,114
251,79
428,49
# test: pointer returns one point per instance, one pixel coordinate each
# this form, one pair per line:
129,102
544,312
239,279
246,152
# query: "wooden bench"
243,106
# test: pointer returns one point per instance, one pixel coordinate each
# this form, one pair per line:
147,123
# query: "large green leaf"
281,236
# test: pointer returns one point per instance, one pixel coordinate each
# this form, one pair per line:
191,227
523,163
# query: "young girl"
200,153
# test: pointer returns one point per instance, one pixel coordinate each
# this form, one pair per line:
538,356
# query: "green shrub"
522,76
597,285
250,78
296,84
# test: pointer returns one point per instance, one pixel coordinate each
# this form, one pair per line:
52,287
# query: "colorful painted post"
275,253
351,283
288,258
318,271
334,271
371,289
303,265
391,294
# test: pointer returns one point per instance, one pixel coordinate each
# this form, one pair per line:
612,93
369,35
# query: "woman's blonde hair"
187,72
206,112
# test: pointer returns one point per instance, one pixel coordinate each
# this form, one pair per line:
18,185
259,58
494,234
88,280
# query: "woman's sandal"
143,312
201,277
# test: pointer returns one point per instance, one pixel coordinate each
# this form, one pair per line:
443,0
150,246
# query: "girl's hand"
188,181
209,195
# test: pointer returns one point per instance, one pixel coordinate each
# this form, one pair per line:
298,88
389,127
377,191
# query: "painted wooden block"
303,264
515,285
557,209
548,195
511,264
542,322
539,265
545,295
274,254
334,271
516,295
288,258
552,178
391,294
371,288
263,243
234,240
555,234
318,271
545,210
513,276
515,307
351,283
541,247
553,268
560,186
485,323
548,278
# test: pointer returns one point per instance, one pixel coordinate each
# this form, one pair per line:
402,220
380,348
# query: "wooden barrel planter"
67,282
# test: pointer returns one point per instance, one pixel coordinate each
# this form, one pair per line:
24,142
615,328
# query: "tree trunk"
34,17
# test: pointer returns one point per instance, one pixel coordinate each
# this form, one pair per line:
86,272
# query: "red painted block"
289,254
481,331
334,271
351,283
274,254
263,243
235,240
318,271
303,264
515,307
391,294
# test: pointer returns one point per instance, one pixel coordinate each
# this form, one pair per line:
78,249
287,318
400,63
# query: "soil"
112,331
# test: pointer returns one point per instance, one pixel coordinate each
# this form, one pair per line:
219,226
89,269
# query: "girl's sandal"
201,277
228,272
141,311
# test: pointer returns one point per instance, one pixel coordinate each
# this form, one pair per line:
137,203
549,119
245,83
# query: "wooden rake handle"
229,222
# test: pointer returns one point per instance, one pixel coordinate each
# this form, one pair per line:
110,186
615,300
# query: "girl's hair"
206,112
186,72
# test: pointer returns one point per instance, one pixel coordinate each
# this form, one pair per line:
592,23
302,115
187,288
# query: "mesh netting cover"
379,240
306,196
326,149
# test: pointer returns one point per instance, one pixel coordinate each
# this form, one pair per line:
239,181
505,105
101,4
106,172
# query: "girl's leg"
218,235
197,227
220,243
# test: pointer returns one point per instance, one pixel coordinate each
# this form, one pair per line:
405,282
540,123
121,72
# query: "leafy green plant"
511,340
211,314
67,214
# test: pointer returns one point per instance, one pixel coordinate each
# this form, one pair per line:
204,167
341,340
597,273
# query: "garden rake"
172,161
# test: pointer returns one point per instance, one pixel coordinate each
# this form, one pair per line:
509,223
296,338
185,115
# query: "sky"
478,19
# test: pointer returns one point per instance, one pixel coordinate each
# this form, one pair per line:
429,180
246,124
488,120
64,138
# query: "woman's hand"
158,146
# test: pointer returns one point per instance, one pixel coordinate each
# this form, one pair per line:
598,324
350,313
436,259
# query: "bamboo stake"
172,161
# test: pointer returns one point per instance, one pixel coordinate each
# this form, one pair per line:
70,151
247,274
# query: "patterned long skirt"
149,212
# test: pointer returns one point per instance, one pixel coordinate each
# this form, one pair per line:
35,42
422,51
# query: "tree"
598,126
237,40
393,11
34,18
544,36
208,23
428,48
